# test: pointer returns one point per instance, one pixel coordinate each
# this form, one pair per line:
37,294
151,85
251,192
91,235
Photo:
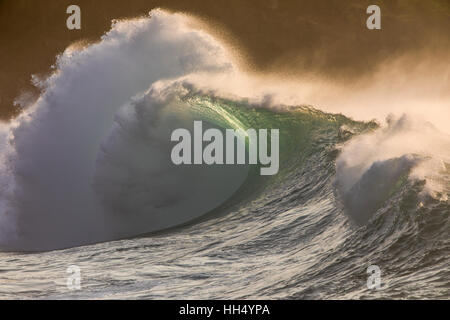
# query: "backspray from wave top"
50,152
89,161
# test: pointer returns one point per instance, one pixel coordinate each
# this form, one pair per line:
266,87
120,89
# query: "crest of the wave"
50,152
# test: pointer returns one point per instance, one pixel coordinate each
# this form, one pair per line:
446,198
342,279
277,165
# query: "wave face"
89,162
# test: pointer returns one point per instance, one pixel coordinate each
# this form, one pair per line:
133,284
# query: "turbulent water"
89,163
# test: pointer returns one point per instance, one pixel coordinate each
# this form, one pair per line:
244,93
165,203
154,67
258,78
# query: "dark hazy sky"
324,36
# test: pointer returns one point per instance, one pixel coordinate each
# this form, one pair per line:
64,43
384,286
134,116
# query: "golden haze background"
328,37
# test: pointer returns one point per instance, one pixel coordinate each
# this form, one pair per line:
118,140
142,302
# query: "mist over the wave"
417,83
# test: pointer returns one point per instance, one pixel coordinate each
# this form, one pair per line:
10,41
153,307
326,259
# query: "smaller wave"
373,166
376,185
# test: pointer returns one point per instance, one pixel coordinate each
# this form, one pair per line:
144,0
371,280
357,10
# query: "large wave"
89,160
51,150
